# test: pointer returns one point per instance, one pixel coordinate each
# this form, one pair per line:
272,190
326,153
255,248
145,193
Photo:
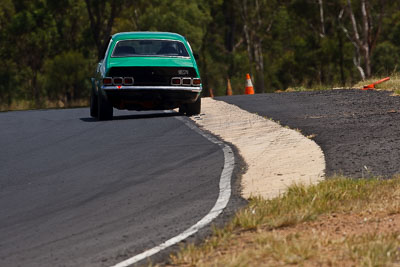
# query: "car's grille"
145,76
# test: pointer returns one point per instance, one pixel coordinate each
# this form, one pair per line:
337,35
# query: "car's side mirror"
196,56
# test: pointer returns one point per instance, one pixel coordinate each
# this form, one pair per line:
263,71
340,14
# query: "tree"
363,34
101,16
70,17
66,77
258,17
283,44
29,40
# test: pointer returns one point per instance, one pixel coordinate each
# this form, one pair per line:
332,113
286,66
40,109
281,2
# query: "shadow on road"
137,116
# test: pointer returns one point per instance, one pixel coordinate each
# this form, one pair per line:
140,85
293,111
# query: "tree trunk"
259,62
36,94
364,43
230,21
254,31
98,16
341,58
322,18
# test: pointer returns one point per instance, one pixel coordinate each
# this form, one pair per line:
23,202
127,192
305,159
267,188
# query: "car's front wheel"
93,104
105,109
193,108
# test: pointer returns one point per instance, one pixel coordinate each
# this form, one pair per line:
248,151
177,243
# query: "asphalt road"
357,130
77,192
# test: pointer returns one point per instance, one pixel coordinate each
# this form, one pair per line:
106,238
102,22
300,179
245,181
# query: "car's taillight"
196,82
176,81
186,81
128,81
107,81
118,80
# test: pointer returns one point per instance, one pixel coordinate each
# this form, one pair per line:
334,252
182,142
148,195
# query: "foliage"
282,44
66,76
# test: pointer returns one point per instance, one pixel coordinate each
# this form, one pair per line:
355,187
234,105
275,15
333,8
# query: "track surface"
354,128
76,192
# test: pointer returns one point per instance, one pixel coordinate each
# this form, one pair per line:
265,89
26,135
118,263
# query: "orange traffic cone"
249,86
228,87
369,87
372,85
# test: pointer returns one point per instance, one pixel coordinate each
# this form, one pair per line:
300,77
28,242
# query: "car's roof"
148,35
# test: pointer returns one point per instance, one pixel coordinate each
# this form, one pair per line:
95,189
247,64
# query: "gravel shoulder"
276,157
357,130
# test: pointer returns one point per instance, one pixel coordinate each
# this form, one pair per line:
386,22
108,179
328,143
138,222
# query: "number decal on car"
183,72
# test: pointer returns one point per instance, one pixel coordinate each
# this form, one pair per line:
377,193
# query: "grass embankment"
338,222
392,85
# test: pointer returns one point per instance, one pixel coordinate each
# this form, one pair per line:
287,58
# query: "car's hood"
149,62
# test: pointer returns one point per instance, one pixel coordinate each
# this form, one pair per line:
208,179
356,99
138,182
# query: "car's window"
163,48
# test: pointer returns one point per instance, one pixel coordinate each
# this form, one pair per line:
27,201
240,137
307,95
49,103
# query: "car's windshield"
138,48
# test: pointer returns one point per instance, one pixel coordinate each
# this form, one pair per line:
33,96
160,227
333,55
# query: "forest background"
49,48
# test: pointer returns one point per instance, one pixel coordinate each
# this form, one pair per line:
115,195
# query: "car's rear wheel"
182,109
194,108
105,109
93,104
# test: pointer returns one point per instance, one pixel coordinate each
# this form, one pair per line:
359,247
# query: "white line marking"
222,201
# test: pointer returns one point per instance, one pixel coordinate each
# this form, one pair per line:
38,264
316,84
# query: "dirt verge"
276,156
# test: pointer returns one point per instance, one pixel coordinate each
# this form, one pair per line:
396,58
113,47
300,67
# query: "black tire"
182,109
194,108
105,109
93,104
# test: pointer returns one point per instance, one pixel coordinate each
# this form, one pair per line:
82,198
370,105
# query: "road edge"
225,192
276,156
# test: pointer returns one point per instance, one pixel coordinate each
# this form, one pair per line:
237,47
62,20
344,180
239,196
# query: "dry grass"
337,222
304,88
29,105
392,85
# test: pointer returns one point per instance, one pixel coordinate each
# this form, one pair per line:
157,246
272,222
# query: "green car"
146,71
